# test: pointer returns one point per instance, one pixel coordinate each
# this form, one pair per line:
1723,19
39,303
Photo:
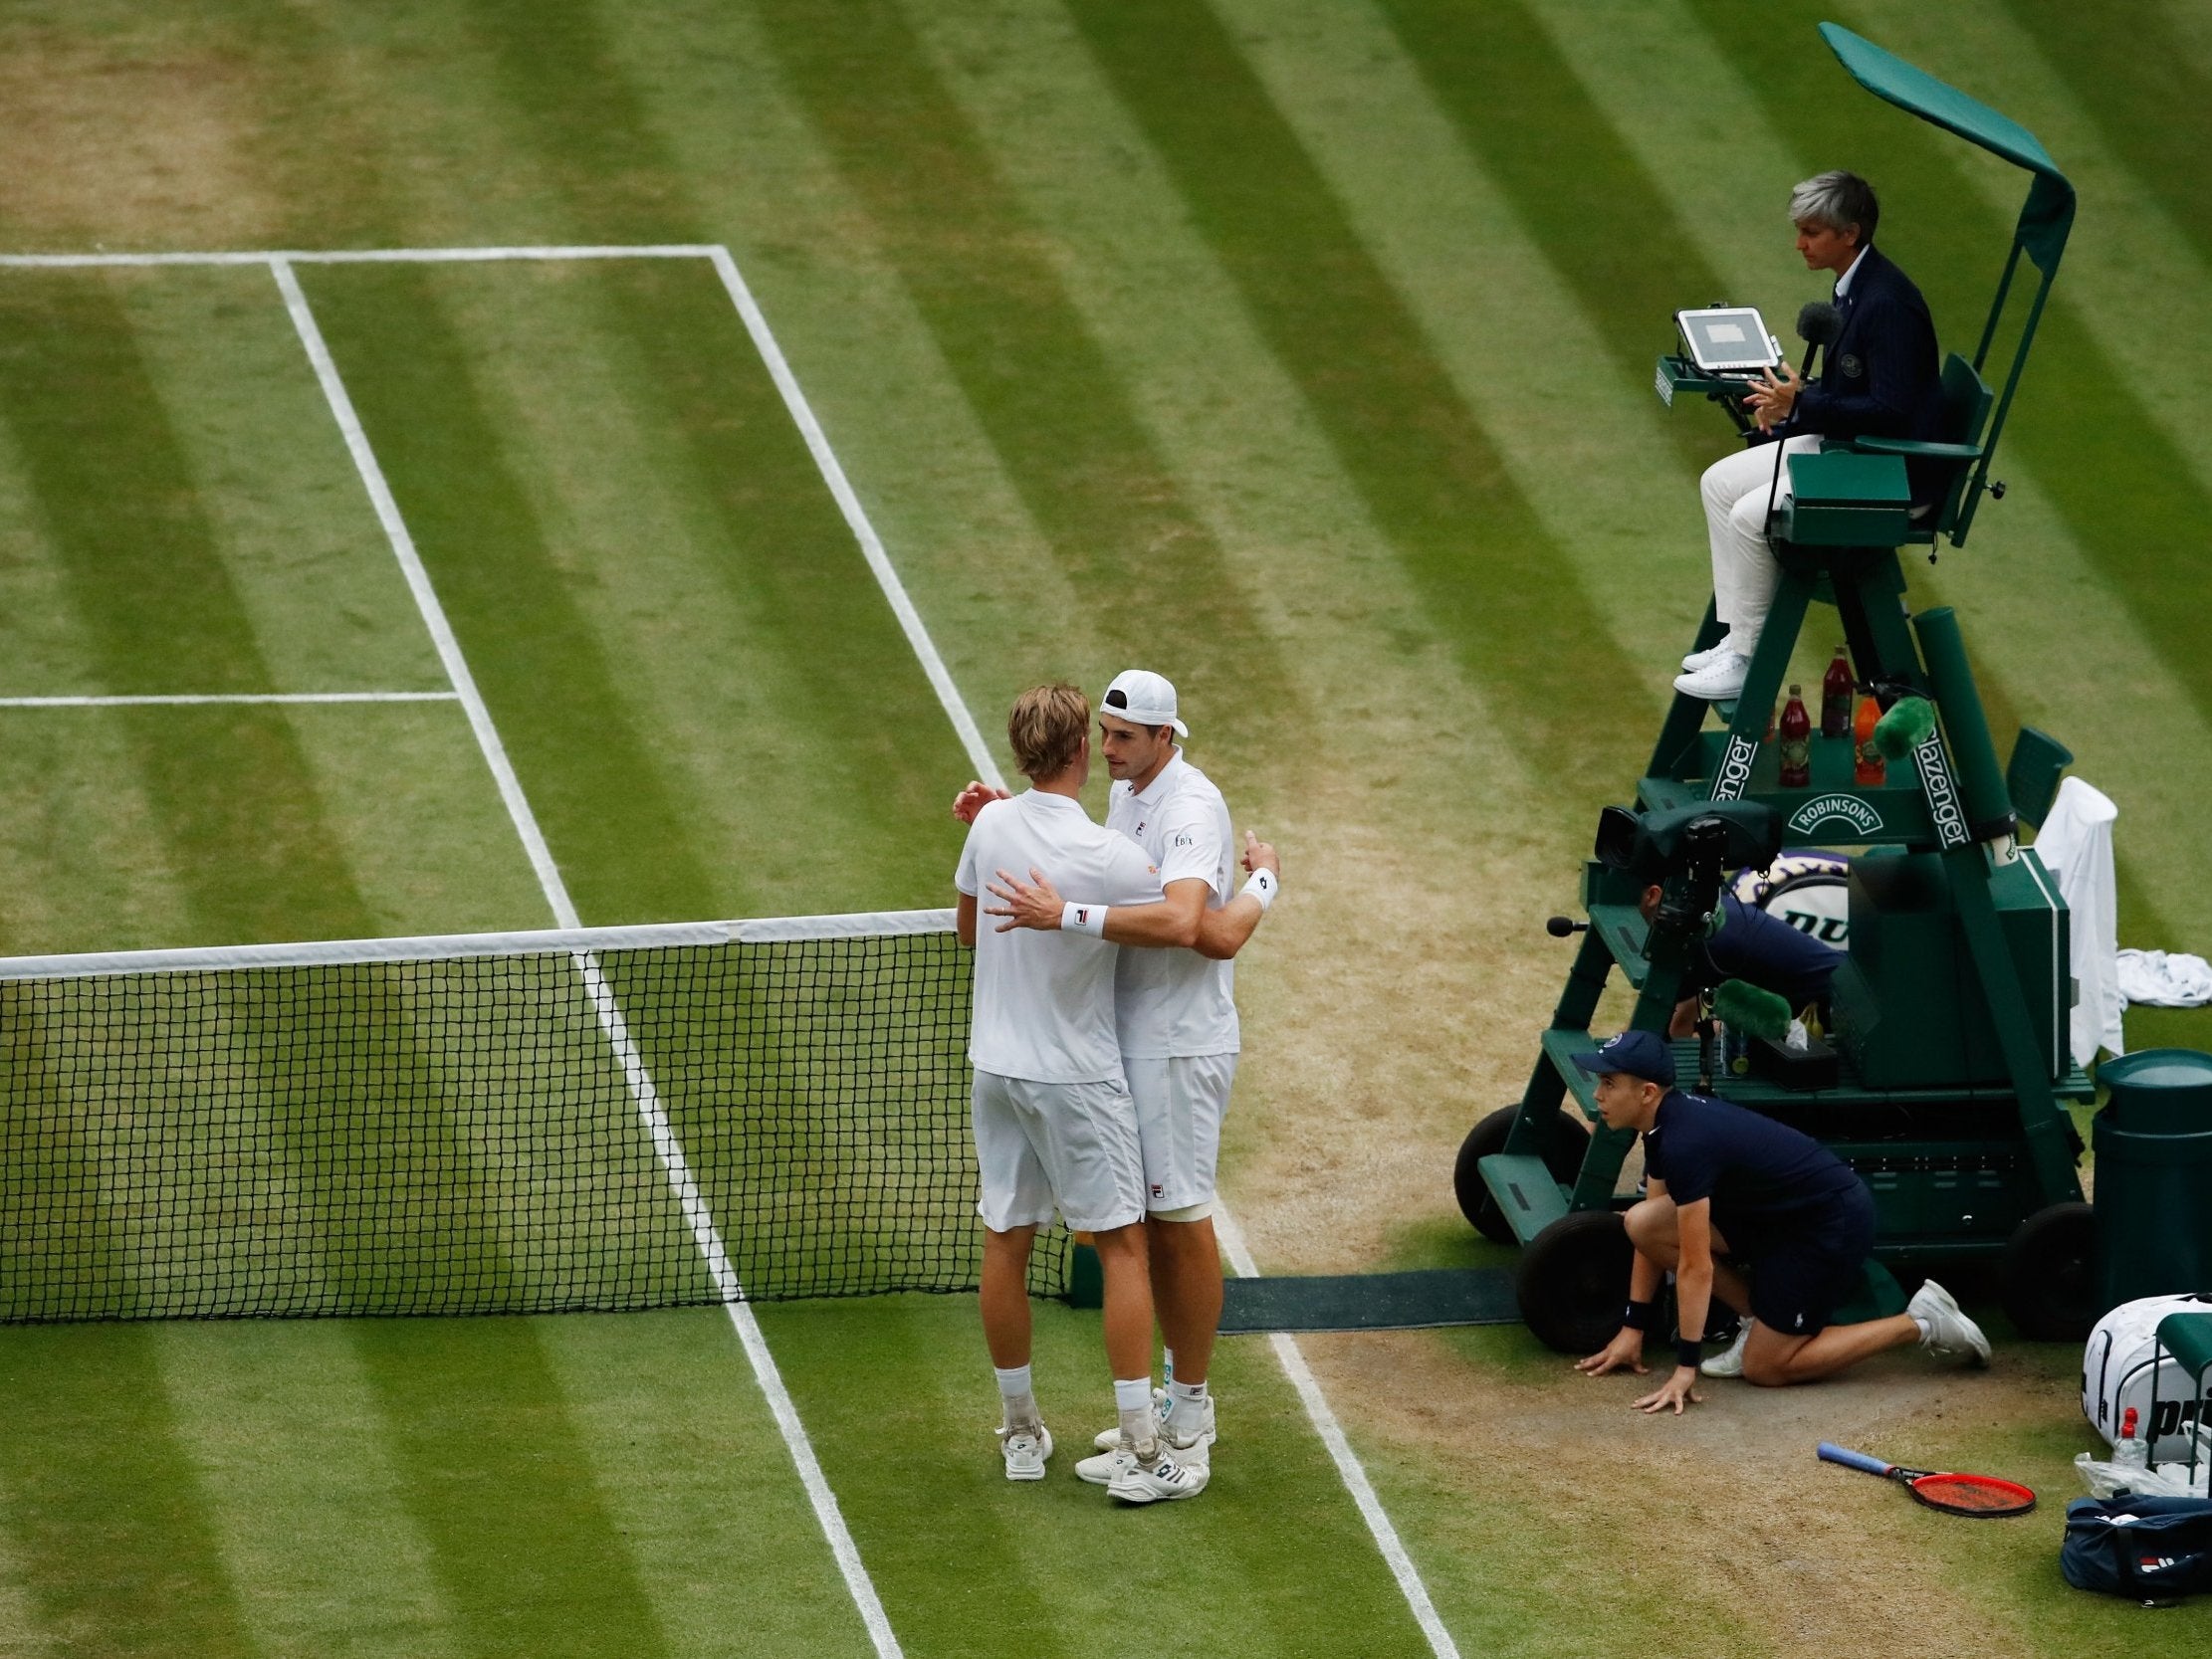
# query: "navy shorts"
1800,1278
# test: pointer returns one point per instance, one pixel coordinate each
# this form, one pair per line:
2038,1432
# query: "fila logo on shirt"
1182,841
1140,829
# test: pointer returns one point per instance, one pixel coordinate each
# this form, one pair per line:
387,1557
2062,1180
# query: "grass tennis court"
1144,329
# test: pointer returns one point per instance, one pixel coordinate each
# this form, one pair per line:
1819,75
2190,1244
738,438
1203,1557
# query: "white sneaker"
1025,1452
1164,1477
1729,1361
1707,657
1718,681
1166,1426
1949,1332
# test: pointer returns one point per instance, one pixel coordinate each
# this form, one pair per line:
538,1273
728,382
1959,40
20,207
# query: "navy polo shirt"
1765,1179
1768,952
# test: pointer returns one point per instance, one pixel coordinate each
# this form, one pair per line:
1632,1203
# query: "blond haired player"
1053,1121
1176,1020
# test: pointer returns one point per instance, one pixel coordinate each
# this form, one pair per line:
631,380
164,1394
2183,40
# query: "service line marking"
705,1235
191,699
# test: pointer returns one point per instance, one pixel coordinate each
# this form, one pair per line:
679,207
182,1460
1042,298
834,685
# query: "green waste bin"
2154,1144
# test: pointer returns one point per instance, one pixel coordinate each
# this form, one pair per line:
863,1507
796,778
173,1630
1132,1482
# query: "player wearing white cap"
1177,1019
1055,1125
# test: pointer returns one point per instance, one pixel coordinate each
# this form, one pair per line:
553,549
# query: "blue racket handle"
1830,1452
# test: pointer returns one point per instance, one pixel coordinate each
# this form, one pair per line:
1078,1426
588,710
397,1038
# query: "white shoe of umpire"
1949,1332
1707,657
1718,681
1166,1425
1164,1477
1025,1452
1729,1361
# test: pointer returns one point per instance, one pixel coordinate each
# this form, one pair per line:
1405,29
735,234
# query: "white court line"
195,698
856,517
1293,1361
354,256
705,1234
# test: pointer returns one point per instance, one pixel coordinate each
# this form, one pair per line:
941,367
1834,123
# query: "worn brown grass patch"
144,145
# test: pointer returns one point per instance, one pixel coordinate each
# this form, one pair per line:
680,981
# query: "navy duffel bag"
2147,1548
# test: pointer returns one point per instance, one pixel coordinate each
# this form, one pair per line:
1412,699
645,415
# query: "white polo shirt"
1170,1004
1045,1001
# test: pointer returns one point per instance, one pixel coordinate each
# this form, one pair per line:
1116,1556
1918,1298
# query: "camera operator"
1760,949
1881,376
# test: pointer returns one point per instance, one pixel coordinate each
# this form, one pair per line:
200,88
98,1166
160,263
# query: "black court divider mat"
1370,1301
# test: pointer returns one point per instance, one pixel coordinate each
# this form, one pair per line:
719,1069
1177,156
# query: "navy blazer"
1882,377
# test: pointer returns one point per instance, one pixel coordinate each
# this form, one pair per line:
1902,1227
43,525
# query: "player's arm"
1223,932
1694,1289
1181,920
1166,923
964,920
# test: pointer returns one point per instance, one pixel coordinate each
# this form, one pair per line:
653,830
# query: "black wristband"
1637,1317
1689,1351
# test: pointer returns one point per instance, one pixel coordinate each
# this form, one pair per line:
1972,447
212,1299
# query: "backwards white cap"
1143,698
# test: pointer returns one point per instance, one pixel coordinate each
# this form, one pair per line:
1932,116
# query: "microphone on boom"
1818,325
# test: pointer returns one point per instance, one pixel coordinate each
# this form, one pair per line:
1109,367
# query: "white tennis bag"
2116,1374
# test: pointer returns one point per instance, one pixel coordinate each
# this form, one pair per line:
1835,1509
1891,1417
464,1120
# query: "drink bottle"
1836,689
1797,742
1869,769
2129,1451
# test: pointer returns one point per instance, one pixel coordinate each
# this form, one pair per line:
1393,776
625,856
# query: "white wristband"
1083,919
1264,887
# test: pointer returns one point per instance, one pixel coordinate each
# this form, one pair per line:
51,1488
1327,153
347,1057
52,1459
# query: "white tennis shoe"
1729,1361
1025,1452
1168,1426
1707,657
1949,1332
1167,1476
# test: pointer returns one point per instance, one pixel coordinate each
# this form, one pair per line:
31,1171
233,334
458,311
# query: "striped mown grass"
1180,331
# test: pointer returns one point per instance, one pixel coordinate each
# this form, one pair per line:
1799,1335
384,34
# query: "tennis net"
521,1123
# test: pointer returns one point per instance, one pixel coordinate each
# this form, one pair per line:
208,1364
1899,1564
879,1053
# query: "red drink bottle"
1835,689
1797,742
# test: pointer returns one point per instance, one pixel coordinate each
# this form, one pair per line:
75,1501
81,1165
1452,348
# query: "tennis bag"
2148,1548
2116,1374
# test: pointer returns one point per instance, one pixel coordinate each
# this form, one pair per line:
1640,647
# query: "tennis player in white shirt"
1175,1020
1053,1121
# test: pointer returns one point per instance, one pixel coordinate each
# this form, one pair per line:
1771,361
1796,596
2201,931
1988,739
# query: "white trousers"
1745,576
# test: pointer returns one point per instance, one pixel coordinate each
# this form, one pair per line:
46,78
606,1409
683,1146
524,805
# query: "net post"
1086,1276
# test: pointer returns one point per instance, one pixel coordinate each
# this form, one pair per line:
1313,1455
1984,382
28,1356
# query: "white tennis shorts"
1180,1106
1070,1145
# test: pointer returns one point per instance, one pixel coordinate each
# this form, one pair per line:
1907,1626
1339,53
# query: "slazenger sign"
1847,809
1942,794
1735,769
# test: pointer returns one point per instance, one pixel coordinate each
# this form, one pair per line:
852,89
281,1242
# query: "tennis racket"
1982,1496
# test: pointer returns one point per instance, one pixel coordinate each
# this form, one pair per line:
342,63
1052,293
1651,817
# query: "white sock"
1017,1397
1167,1365
1133,1400
1927,1329
1186,1407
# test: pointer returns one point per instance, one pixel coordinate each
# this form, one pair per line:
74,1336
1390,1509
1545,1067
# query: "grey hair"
1837,200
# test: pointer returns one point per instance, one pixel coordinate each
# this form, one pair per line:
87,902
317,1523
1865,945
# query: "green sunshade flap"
2049,212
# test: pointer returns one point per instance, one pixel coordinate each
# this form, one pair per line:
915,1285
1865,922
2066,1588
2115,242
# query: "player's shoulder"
1193,788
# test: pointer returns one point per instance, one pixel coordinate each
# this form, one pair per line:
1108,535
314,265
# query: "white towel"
2164,979
2076,846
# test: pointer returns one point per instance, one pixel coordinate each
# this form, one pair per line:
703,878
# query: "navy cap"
1642,1053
